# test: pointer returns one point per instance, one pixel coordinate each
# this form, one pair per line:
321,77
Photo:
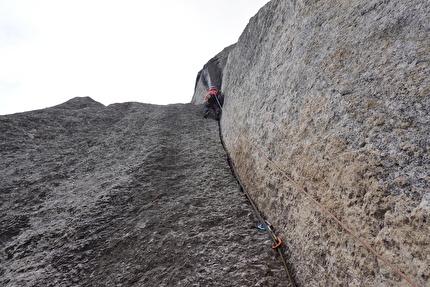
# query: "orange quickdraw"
279,242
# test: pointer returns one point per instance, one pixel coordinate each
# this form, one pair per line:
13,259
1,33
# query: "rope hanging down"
344,226
266,226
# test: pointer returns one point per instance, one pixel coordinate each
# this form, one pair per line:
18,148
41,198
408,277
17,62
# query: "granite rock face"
337,95
125,195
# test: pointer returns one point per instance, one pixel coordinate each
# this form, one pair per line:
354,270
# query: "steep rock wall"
336,93
210,75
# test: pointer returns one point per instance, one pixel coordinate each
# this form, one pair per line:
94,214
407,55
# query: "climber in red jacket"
213,100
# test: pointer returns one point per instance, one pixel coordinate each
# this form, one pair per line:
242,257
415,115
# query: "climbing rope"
301,189
343,225
266,226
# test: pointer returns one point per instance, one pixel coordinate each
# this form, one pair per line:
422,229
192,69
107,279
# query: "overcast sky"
111,50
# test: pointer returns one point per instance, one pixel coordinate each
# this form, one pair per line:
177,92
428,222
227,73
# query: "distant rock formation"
337,94
126,195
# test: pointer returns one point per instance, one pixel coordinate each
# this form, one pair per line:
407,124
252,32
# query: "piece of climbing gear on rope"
279,242
261,226
301,189
264,224
343,225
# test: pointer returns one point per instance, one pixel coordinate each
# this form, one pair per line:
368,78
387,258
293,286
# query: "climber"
214,100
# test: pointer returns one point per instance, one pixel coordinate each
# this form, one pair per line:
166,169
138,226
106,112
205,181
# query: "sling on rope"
262,227
265,224
279,242
343,225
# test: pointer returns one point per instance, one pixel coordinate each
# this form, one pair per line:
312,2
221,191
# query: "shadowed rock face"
210,75
126,195
337,94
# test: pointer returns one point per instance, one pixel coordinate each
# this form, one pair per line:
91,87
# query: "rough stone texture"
337,94
126,195
210,75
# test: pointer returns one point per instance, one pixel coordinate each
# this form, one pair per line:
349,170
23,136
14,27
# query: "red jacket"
211,92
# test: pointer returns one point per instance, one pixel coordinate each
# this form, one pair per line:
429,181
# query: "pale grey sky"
111,50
